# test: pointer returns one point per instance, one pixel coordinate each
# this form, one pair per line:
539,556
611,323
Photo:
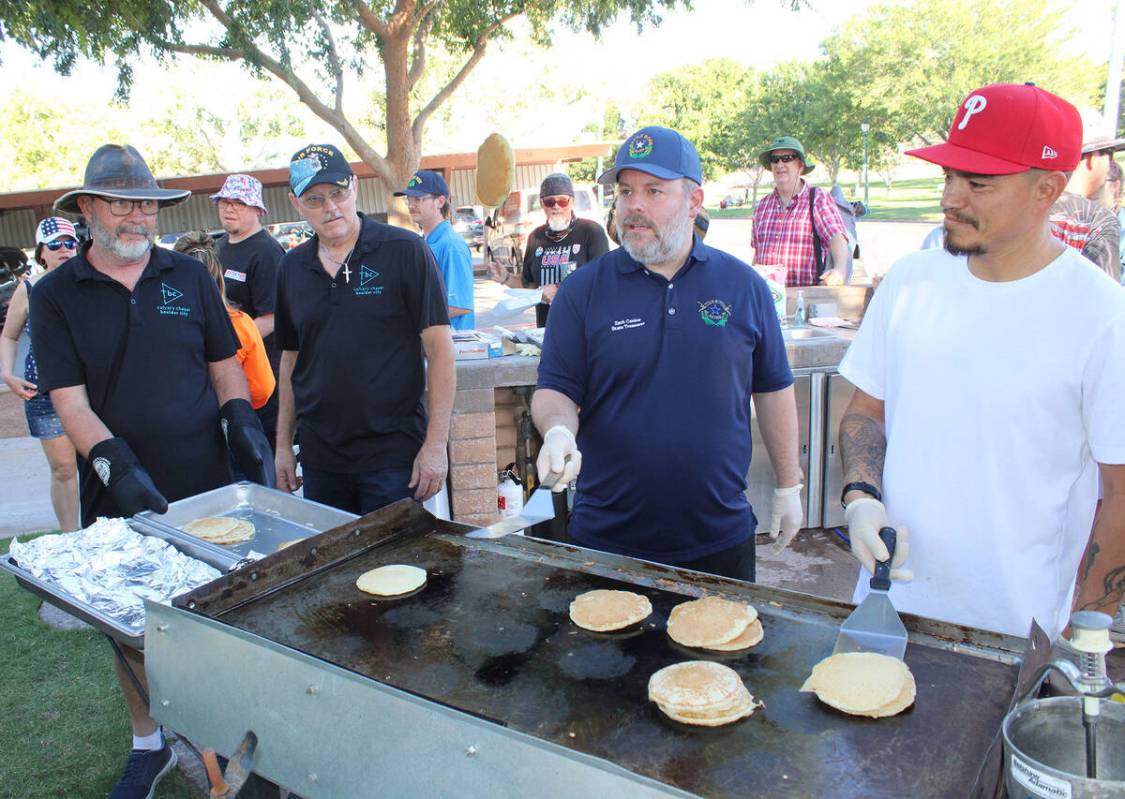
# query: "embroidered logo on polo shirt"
171,295
626,324
714,313
367,276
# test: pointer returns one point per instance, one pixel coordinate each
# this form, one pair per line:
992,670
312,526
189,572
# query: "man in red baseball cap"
988,376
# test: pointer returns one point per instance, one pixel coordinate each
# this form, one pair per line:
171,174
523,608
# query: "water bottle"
799,317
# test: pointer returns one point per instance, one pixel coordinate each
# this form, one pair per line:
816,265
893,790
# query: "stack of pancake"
715,623
220,530
702,693
602,610
863,684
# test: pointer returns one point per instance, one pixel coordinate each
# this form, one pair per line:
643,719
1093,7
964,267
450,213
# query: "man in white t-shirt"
988,375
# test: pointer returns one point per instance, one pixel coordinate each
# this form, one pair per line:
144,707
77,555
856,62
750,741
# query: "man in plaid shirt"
783,226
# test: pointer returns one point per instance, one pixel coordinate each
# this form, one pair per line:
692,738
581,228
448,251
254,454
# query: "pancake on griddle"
863,684
700,692
603,610
393,580
715,623
221,529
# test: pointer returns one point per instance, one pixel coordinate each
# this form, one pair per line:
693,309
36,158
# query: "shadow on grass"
62,718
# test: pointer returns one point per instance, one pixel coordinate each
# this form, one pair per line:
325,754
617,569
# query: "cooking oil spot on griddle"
596,662
496,640
500,670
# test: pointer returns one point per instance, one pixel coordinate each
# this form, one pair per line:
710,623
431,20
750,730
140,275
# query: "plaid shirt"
784,235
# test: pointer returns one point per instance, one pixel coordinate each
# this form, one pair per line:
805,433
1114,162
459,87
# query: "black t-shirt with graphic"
548,262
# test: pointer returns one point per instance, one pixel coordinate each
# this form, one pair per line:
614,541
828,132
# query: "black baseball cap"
315,164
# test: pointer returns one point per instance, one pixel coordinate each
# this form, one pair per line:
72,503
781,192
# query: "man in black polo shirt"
652,357
138,354
358,306
250,255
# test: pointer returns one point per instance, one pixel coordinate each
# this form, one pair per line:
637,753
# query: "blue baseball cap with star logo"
424,183
660,152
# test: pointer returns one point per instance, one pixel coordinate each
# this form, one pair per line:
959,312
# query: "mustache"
636,220
968,220
138,230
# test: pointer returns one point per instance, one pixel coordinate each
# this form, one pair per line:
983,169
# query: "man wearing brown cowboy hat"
138,355
810,241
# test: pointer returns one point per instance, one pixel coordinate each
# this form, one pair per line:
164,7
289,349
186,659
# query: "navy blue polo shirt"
143,357
663,373
358,379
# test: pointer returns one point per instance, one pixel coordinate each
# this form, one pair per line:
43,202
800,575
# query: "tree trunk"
402,151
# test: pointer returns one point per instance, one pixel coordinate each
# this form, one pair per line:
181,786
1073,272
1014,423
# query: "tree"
910,63
313,47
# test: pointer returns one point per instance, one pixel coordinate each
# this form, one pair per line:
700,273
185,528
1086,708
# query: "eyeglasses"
315,201
58,244
783,159
125,207
551,202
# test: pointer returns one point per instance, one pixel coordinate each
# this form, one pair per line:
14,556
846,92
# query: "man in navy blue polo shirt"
358,305
652,355
427,197
138,354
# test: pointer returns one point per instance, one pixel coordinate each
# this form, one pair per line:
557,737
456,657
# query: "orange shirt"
252,356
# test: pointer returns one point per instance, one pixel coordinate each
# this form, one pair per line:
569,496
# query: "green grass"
915,200
63,723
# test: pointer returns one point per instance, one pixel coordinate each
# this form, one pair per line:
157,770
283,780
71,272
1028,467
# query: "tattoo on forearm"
1091,556
863,448
1114,592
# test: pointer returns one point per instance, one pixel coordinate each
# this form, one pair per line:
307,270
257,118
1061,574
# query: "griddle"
490,636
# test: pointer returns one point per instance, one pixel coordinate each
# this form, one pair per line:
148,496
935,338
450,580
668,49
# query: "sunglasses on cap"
552,202
58,244
783,159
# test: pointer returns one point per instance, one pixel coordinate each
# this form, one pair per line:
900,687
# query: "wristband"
859,485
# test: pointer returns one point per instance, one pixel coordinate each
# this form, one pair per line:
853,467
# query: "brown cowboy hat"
118,172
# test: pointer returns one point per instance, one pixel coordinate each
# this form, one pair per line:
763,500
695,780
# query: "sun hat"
246,189
118,172
786,143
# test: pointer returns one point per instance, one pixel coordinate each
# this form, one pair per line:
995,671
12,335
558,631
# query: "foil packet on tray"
112,568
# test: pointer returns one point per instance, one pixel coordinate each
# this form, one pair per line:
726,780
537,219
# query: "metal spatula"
539,508
874,626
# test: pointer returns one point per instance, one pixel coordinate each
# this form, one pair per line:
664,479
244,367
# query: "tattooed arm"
1101,575
863,443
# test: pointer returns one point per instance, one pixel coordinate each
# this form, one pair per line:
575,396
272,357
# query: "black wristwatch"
866,488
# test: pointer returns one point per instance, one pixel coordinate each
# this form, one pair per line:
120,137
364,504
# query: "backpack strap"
818,255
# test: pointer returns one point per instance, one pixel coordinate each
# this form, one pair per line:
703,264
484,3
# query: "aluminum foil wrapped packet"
112,568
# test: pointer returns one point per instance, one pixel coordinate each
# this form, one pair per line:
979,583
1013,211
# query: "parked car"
13,266
469,223
290,234
521,213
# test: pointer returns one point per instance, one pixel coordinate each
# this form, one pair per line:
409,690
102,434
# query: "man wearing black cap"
358,305
797,225
652,355
138,354
427,198
560,245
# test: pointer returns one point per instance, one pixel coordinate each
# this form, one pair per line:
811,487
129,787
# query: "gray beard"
558,224
667,242
108,240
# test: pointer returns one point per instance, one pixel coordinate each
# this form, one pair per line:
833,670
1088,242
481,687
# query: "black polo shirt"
359,378
250,276
143,358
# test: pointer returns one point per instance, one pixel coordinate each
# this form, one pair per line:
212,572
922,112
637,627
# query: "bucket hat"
118,172
246,189
786,143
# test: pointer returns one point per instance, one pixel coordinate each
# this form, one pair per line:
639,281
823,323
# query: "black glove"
128,483
247,442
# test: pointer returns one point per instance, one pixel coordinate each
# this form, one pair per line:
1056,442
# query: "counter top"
821,351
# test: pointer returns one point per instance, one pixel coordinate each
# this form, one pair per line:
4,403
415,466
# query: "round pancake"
391,580
900,703
602,610
742,706
709,621
753,634
695,686
220,529
860,683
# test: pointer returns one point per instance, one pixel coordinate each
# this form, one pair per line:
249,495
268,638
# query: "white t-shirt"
1000,400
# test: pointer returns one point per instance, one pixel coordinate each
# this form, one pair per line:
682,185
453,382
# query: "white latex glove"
865,517
788,513
559,460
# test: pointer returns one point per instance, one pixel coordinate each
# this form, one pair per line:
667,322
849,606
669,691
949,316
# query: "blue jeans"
359,493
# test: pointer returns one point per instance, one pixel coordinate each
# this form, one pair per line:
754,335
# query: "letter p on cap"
974,105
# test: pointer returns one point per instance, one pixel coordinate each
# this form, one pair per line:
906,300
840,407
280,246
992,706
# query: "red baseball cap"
1007,128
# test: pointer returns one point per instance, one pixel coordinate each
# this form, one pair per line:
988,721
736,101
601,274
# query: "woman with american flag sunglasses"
55,242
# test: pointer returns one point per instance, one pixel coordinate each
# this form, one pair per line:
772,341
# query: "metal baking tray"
276,515
129,636
489,636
